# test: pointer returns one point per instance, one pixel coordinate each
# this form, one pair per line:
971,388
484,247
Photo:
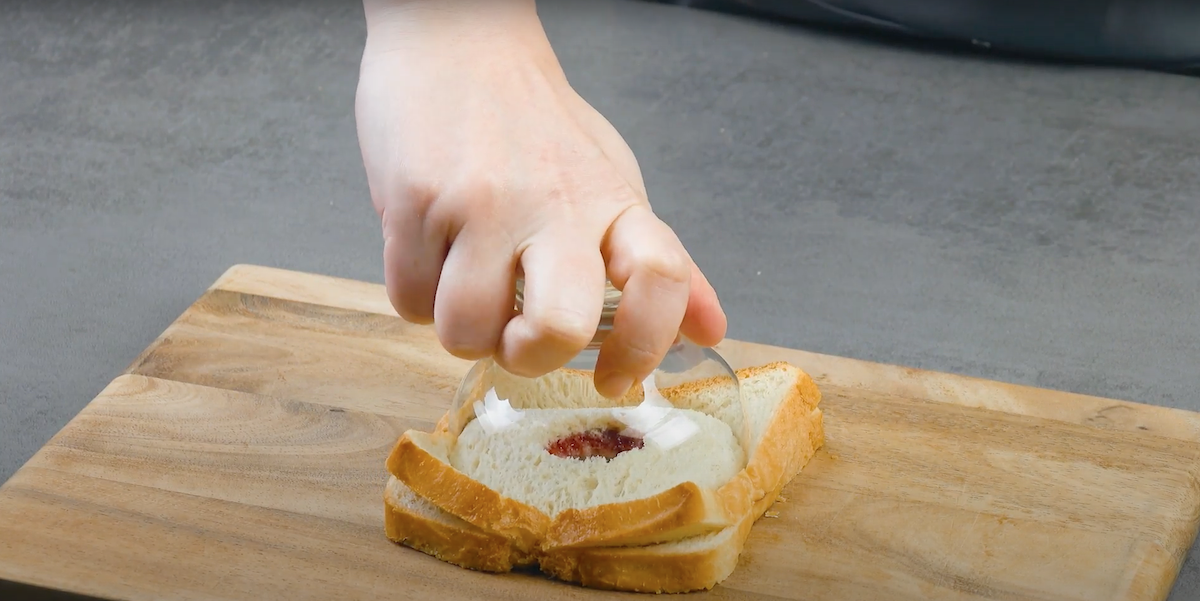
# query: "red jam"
594,443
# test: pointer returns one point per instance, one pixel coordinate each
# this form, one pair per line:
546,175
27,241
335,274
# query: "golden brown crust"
664,568
682,511
781,445
654,568
770,462
458,494
460,544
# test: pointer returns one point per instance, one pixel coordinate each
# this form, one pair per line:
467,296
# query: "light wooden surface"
241,457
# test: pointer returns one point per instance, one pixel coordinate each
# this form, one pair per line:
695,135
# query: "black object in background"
1161,34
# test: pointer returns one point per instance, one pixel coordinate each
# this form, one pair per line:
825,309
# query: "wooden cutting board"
241,457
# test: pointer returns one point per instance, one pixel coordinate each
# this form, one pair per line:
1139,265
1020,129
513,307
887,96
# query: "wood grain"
839,371
241,457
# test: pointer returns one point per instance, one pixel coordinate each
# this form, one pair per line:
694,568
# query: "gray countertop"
1025,222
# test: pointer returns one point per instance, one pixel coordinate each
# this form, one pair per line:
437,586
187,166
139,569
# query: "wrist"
417,17
477,32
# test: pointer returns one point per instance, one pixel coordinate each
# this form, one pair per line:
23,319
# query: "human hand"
483,163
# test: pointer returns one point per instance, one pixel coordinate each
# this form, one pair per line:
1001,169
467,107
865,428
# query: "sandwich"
581,497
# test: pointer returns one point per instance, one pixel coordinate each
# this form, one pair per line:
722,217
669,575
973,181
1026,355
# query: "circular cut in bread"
516,462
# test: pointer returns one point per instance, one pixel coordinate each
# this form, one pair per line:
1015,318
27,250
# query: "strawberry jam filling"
594,443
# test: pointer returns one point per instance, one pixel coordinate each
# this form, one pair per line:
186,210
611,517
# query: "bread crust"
654,568
631,546
454,542
679,512
774,459
454,492
660,568
682,511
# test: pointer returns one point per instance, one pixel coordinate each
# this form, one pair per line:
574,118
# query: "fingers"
476,293
413,253
649,265
563,297
704,321
467,290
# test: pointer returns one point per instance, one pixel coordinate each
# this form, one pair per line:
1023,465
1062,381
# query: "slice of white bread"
417,523
667,509
691,564
683,566
644,496
785,429
515,463
564,388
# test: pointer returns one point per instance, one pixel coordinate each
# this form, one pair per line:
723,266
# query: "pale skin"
484,163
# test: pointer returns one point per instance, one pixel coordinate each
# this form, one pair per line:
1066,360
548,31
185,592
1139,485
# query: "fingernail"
614,385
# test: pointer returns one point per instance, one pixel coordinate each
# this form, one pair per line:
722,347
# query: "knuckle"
412,203
639,355
672,267
562,328
420,193
478,199
481,187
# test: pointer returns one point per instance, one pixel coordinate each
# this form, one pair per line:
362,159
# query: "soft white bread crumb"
515,462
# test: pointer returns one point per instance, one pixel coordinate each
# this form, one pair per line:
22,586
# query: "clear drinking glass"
504,402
